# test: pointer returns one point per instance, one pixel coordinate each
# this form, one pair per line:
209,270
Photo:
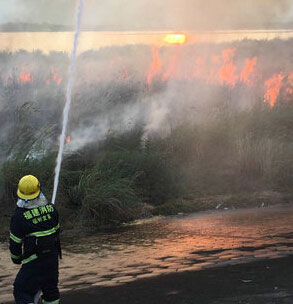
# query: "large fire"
227,71
219,68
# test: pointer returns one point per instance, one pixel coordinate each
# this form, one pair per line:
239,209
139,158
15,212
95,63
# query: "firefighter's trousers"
40,274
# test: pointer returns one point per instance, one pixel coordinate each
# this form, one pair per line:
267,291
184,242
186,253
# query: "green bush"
107,197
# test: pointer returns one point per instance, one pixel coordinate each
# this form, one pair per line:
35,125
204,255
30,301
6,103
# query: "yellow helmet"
28,187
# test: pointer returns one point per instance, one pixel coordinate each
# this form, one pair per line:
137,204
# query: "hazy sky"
150,14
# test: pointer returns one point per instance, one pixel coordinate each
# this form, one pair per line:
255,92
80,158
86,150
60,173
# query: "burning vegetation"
215,67
151,124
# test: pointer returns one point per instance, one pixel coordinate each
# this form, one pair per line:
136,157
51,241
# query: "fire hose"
65,113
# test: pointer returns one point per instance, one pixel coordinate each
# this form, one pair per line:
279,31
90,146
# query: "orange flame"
273,87
155,66
213,69
227,71
173,66
68,139
216,70
25,77
54,77
248,71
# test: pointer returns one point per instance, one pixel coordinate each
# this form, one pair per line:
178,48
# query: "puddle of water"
164,245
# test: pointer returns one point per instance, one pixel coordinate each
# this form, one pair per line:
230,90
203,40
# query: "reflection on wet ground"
164,245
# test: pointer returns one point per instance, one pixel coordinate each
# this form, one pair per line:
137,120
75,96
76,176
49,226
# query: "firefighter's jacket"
34,230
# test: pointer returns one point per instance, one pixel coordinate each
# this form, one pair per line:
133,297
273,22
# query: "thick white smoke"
151,15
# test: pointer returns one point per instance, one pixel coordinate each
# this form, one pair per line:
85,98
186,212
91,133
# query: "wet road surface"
168,245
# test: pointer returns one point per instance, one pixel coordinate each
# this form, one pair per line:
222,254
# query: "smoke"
38,11
152,15
113,92
9,13
228,14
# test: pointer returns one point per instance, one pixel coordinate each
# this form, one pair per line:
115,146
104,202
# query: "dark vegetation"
224,152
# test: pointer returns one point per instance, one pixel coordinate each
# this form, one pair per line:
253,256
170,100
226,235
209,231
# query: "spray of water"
68,102
65,113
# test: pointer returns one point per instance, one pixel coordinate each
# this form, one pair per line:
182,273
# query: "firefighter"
34,243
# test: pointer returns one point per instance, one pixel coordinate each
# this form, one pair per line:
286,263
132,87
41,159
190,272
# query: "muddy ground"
262,282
